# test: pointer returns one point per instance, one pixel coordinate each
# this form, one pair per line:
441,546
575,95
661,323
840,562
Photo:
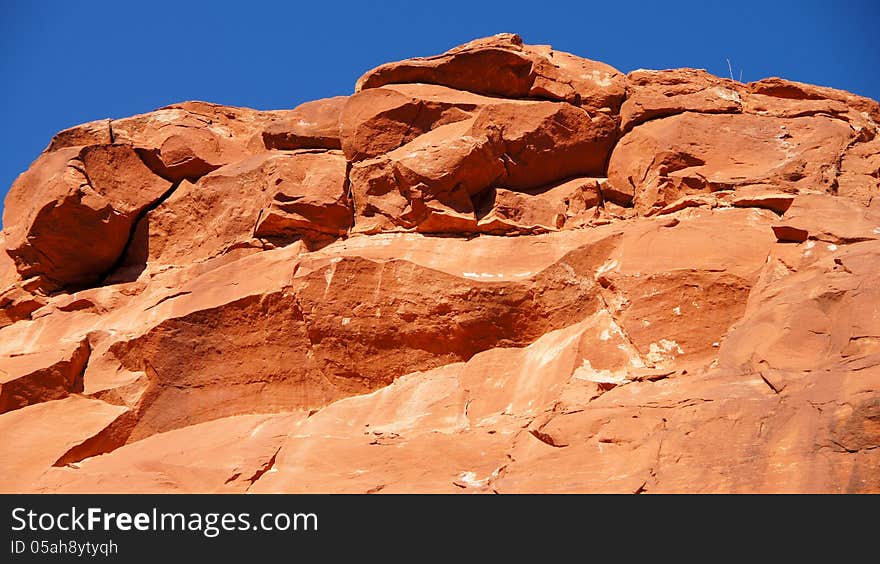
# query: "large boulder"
186,140
690,153
69,217
42,375
312,125
282,196
379,120
502,66
484,271
40,435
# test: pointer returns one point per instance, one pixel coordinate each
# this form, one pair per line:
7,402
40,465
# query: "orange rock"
42,376
379,120
699,153
16,302
568,204
859,178
271,195
313,125
225,455
484,271
502,66
525,135
656,94
831,219
798,91
433,177
37,436
185,140
96,192
430,183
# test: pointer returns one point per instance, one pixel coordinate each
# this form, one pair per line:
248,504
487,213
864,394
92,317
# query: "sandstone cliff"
504,268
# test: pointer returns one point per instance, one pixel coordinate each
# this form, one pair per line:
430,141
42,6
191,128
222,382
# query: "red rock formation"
504,268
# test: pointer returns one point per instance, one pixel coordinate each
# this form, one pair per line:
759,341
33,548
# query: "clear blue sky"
68,62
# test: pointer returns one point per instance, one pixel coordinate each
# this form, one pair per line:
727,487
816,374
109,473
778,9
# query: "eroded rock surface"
504,268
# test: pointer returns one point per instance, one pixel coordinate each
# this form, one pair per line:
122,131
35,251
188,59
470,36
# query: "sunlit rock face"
504,268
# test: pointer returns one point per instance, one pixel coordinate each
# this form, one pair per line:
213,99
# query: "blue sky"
68,62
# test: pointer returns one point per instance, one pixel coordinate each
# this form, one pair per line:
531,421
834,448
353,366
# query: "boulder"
690,153
39,435
568,204
312,125
96,192
484,271
280,195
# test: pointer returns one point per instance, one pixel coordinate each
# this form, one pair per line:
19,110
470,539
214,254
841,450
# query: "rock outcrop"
500,269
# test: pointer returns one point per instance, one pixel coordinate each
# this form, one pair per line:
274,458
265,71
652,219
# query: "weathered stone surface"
185,140
225,455
479,273
313,125
809,94
16,301
430,183
656,94
17,304
37,436
527,135
778,203
286,196
310,198
502,66
859,178
67,219
42,376
832,219
431,178
568,204
379,120
699,153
